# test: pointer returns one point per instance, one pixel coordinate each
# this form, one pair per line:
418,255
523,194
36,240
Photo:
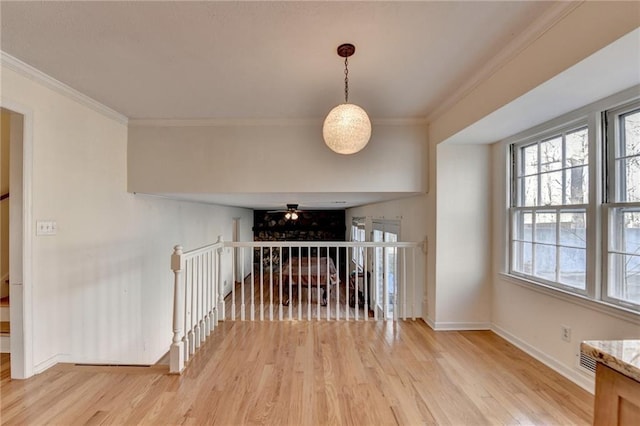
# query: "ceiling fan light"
287,215
347,129
294,216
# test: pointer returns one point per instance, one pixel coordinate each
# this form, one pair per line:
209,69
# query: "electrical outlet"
566,333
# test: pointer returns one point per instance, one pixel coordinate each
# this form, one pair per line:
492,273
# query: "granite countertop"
620,355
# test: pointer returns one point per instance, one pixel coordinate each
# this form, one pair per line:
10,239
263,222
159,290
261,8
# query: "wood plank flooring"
312,373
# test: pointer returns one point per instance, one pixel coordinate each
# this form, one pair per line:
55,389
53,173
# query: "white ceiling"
264,60
261,60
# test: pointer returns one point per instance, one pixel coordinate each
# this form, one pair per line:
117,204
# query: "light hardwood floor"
309,373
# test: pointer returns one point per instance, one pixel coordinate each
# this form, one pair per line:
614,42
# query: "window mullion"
538,177
563,159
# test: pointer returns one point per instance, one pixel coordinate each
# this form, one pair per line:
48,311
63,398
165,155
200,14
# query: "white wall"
463,246
102,287
229,158
411,213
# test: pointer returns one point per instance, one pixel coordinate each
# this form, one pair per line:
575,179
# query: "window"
623,213
575,205
549,215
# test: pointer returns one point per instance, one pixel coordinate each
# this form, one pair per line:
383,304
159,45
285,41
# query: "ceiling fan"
291,213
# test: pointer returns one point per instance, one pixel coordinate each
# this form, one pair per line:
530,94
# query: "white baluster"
280,284
242,305
299,283
214,289
346,288
338,283
198,298
261,286
309,283
270,283
290,279
193,320
221,307
415,286
318,283
233,284
187,310
203,312
176,352
366,284
404,283
328,290
207,297
253,307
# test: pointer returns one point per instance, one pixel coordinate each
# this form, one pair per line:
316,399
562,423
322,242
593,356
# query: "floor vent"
588,362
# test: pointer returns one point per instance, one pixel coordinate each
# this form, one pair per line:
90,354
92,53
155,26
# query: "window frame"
611,203
549,133
598,208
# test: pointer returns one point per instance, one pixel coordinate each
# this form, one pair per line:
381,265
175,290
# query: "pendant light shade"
347,128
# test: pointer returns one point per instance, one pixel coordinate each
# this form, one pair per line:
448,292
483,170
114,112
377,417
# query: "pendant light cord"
346,81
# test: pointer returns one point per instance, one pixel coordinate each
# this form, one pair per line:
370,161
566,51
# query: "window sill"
616,311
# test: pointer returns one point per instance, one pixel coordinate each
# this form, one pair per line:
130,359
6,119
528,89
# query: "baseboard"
459,326
581,379
430,323
48,363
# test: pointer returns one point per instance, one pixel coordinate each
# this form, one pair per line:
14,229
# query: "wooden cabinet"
617,399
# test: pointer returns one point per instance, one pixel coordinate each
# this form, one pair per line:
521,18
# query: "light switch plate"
46,227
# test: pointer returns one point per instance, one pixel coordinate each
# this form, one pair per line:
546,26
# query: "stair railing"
197,296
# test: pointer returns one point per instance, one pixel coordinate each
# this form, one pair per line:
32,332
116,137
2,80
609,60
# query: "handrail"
4,196
340,279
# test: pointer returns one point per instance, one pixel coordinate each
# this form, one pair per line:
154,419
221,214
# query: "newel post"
221,312
176,353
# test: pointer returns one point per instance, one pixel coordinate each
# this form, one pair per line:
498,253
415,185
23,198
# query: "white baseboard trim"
460,326
581,379
48,363
430,322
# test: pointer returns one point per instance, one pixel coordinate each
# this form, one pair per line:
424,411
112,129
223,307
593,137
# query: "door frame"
22,312
384,226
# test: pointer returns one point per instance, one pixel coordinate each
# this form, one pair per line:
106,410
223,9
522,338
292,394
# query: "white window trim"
591,253
610,202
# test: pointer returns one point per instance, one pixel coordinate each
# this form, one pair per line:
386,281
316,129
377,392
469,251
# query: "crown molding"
524,39
248,122
38,76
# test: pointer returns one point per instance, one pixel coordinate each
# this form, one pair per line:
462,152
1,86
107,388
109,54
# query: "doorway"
386,268
16,237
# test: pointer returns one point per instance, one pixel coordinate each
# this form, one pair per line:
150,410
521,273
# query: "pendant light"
347,128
